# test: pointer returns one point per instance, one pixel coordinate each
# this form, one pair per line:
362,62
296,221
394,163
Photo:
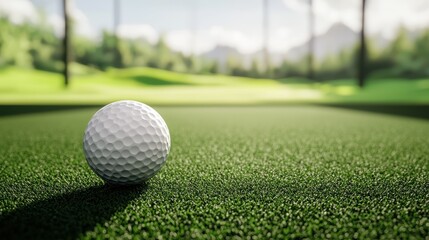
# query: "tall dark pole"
311,41
66,43
266,38
193,42
362,50
116,23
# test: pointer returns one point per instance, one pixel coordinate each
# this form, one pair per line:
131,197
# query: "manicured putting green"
265,172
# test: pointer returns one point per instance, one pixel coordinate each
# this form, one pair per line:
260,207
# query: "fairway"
160,87
267,172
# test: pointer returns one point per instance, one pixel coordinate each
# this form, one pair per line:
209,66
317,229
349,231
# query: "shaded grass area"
8,110
266,172
67,215
414,111
157,81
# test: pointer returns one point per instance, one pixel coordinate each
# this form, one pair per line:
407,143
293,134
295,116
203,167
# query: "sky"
199,25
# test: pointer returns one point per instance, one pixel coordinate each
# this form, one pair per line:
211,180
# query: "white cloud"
18,11
185,41
81,21
328,12
138,31
296,5
382,15
280,40
181,40
332,11
204,40
283,38
386,15
57,24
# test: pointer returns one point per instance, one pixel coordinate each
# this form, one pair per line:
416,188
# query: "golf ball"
126,142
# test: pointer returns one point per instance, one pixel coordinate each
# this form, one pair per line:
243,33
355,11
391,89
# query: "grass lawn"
267,172
154,86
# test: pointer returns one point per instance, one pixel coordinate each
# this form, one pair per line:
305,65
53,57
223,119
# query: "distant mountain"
338,37
221,53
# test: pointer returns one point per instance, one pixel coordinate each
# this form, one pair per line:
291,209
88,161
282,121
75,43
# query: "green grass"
154,86
261,172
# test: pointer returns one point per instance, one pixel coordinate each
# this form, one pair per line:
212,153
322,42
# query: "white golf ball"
126,142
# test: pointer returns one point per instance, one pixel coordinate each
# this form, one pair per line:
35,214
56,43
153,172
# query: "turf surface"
261,172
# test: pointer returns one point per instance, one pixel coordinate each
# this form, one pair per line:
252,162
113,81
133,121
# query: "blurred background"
214,52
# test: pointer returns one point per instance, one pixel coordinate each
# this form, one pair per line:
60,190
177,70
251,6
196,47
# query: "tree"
362,51
194,63
106,50
234,66
163,53
421,52
311,40
214,68
254,68
401,44
14,44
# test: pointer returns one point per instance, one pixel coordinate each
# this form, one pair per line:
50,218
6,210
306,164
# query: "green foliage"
341,65
12,39
162,55
403,57
235,67
29,45
35,45
420,55
254,70
401,45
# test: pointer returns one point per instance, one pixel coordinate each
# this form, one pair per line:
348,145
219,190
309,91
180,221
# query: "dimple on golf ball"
126,142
